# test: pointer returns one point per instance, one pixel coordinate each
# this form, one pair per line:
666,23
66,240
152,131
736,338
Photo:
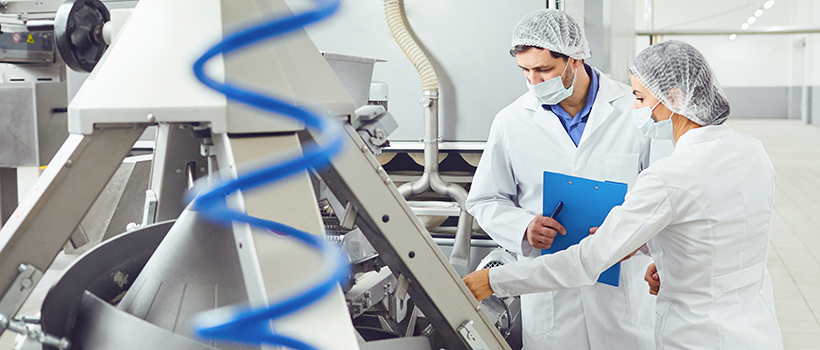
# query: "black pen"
557,209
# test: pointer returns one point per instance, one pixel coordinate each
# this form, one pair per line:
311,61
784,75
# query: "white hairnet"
553,30
678,75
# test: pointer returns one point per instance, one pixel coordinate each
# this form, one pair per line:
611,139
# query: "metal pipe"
431,180
778,30
483,243
648,19
190,173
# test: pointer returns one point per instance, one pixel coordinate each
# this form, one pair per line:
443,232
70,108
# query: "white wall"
609,28
468,44
749,60
750,66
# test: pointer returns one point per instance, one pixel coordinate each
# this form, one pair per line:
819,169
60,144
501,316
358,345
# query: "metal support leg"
76,175
406,246
176,148
8,193
272,265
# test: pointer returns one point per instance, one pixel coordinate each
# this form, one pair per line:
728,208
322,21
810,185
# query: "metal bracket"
16,295
149,214
32,333
401,286
471,336
19,290
349,217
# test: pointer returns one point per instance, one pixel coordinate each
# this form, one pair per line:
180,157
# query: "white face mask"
661,130
552,91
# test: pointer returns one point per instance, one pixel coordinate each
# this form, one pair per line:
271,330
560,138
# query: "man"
576,121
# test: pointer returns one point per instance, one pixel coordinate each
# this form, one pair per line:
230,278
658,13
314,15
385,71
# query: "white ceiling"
720,14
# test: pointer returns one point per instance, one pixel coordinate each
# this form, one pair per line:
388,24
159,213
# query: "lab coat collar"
702,134
547,120
608,93
530,102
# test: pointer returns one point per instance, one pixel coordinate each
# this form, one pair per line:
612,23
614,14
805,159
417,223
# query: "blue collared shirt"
575,125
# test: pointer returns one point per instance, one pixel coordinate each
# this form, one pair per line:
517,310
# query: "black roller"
40,25
78,29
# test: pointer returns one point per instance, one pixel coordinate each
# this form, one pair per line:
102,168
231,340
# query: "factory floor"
794,253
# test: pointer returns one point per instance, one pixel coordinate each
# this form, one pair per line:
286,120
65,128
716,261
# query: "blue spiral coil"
253,325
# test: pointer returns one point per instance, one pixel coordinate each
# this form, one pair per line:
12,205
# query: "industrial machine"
143,289
43,62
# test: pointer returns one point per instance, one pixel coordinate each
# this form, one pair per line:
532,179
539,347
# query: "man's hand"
653,279
542,230
592,231
479,284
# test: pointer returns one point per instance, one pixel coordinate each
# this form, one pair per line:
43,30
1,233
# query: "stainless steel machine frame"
78,172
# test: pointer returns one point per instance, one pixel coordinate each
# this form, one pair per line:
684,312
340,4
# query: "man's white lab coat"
706,212
506,194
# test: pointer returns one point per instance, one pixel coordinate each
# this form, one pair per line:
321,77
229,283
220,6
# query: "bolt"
179,171
151,118
21,268
68,163
26,283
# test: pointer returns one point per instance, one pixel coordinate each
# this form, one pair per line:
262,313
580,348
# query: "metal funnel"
195,268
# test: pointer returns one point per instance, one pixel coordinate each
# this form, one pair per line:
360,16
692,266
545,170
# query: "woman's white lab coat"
506,194
704,213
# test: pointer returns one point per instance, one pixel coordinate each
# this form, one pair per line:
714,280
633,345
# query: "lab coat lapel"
549,121
608,93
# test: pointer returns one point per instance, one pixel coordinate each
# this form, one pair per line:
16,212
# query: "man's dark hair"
521,48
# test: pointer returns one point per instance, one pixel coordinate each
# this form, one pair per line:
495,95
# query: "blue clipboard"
586,205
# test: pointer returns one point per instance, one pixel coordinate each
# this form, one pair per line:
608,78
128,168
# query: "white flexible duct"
392,11
430,179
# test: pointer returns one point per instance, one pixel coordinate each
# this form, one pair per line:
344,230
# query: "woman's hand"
653,279
479,284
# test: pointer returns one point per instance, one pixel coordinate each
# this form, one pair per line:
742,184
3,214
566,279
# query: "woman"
704,214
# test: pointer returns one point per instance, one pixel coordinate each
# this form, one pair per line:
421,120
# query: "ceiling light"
733,37
758,13
768,4
751,20
744,26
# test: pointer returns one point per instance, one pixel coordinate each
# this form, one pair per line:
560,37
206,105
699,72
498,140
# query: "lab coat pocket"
661,314
622,168
539,317
640,304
